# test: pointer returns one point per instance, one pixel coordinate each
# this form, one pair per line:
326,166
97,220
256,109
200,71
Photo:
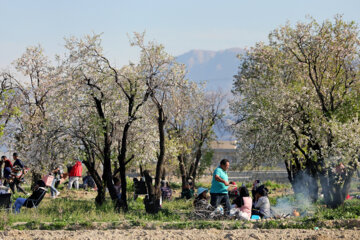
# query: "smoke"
285,206
305,188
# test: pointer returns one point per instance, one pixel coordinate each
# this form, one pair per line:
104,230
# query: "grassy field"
75,209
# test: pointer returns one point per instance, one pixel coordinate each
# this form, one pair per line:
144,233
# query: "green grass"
67,213
349,210
271,185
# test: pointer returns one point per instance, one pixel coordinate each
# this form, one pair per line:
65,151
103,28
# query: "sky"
180,25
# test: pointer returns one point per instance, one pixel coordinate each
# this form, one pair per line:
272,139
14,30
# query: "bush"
175,185
350,209
274,185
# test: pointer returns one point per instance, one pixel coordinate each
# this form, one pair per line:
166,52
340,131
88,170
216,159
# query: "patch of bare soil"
257,234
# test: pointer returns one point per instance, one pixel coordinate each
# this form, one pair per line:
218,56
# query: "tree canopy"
298,102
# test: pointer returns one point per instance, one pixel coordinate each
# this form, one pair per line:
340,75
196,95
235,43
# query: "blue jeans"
220,198
19,202
53,189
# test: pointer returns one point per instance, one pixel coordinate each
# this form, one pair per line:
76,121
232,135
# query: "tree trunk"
301,181
313,187
100,198
107,178
151,201
141,171
163,174
107,173
160,162
197,161
1,172
335,191
182,171
122,163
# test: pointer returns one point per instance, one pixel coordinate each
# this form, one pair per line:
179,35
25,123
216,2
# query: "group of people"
13,173
75,174
242,207
13,177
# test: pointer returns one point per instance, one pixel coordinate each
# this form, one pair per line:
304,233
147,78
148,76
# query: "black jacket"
35,198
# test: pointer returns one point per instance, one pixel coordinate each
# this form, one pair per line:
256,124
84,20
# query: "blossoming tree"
298,101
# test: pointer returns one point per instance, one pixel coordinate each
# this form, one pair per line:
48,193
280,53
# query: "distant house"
224,149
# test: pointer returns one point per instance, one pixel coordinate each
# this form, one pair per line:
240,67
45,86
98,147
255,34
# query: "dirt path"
257,234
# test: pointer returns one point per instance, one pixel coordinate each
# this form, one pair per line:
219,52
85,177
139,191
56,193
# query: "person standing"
219,185
17,161
57,173
75,174
7,170
17,172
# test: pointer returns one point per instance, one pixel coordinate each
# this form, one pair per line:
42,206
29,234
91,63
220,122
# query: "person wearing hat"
201,201
37,195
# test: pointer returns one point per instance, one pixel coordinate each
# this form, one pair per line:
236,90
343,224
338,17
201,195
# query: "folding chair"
34,203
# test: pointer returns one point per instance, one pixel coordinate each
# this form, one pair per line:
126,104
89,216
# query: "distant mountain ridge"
217,68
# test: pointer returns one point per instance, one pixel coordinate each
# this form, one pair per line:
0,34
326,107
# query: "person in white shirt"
262,203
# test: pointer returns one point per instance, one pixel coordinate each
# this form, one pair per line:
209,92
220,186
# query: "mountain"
217,68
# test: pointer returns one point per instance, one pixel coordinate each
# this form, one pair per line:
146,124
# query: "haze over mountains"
217,68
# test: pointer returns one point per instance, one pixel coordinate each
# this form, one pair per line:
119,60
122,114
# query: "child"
243,205
262,203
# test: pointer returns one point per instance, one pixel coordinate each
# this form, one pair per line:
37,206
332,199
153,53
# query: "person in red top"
75,174
7,169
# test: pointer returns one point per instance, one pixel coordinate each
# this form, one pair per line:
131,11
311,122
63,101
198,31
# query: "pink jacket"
246,208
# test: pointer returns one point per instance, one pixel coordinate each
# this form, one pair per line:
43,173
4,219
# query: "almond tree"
164,76
193,115
36,131
298,102
91,111
109,98
8,107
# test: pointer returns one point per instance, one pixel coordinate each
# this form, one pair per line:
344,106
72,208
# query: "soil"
257,234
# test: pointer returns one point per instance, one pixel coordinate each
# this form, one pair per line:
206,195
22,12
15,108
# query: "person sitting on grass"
187,192
243,204
88,181
201,202
166,191
117,186
203,208
37,195
262,203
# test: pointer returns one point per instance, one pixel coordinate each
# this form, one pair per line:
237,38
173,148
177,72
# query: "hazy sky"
179,25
